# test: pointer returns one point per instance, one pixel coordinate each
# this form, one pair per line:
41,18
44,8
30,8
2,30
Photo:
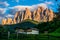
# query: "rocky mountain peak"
39,15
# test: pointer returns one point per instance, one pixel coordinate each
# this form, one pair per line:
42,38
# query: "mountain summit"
39,15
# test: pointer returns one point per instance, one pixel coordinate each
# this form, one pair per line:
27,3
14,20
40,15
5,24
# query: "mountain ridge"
39,15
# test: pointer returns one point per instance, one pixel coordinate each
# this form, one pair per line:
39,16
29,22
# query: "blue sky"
8,7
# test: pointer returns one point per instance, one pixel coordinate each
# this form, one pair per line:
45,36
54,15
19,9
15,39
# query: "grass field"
56,33
42,36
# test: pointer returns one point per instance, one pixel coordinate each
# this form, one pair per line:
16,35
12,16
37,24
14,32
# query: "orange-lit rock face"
22,16
14,21
47,12
46,15
39,9
18,19
45,19
16,15
27,14
9,21
42,11
51,15
4,21
39,15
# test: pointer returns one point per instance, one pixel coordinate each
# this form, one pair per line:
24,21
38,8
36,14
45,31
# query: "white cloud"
32,7
2,10
21,7
43,5
4,3
9,15
50,2
1,18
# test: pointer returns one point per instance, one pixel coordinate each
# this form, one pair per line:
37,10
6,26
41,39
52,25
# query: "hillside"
57,30
24,25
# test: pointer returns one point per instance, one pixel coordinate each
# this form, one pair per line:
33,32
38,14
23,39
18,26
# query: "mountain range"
40,15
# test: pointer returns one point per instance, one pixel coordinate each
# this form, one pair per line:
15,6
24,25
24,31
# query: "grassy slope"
32,21
25,24
56,32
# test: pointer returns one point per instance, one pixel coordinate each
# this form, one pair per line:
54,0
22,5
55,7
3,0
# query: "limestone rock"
39,15
27,14
51,15
4,21
9,21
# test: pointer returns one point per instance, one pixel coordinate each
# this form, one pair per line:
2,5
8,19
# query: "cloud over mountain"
4,4
8,10
32,7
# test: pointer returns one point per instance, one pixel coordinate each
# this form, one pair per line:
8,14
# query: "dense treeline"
49,26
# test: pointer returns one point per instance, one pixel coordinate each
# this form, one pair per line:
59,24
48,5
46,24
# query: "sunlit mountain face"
8,8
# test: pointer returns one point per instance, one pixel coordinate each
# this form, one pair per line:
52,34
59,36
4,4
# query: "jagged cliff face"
4,21
27,14
39,15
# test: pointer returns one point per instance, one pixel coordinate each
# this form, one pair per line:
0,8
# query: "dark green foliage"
49,26
30,37
43,26
22,25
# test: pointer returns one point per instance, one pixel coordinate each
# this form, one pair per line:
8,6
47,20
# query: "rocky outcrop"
51,15
27,14
4,21
9,21
39,15
36,14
